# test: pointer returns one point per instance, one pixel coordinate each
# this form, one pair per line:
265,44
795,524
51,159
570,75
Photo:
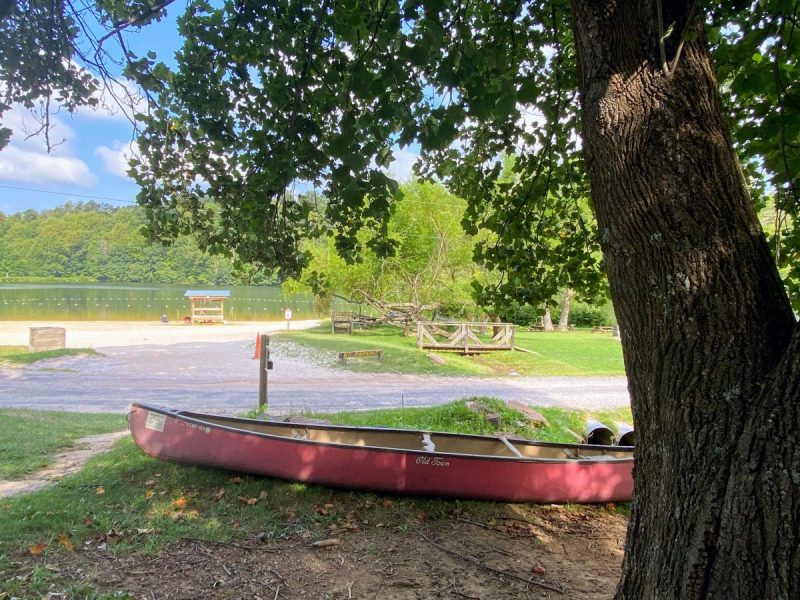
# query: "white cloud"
26,157
18,164
116,158
402,165
25,124
118,101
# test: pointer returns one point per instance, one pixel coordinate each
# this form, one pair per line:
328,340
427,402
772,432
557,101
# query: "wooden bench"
343,356
341,322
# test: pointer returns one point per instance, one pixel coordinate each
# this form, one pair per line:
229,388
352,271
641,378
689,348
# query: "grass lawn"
456,417
28,438
21,356
574,353
128,500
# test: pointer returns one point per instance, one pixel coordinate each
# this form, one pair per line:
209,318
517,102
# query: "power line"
90,197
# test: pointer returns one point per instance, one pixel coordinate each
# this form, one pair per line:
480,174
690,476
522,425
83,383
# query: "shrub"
583,315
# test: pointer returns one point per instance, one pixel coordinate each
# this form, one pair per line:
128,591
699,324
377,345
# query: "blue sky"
90,162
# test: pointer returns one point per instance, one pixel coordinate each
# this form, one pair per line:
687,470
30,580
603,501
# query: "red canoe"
389,460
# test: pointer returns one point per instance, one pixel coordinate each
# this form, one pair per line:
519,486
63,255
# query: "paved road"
222,377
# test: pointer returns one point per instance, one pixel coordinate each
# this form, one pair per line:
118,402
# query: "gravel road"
222,377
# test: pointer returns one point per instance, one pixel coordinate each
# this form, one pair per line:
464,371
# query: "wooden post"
263,367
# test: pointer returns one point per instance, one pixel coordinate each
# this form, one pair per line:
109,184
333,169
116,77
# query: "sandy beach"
110,334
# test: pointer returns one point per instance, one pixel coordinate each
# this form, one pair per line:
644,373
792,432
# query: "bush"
456,310
583,315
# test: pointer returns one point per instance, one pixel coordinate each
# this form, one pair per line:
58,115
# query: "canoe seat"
427,443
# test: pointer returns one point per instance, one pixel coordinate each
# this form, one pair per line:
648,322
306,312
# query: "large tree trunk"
711,347
566,304
547,319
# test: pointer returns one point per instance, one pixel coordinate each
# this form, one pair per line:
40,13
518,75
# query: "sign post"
287,314
264,365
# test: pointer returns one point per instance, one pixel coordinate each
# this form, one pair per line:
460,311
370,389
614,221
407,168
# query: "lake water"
145,302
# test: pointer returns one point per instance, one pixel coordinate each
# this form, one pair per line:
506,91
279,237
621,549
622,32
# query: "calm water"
144,302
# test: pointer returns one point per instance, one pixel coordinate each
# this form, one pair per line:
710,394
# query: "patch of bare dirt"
63,464
550,552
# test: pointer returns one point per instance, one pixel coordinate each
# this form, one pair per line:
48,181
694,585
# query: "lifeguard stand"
208,306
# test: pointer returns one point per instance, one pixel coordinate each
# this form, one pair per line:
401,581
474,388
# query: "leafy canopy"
266,97
432,263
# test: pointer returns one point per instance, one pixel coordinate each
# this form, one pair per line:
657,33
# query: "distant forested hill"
97,242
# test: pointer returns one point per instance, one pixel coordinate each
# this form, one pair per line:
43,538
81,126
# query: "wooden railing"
465,338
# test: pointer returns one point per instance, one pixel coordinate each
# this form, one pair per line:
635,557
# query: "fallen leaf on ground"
37,549
248,500
538,570
291,516
88,521
386,503
235,480
148,493
180,503
150,482
63,539
112,535
100,490
218,496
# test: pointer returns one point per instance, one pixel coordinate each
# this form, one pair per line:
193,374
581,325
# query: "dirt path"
63,464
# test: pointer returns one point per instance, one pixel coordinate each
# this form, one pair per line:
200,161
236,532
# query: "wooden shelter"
465,338
208,306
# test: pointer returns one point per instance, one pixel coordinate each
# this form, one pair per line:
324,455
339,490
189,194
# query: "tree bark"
547,319
712,350
566,303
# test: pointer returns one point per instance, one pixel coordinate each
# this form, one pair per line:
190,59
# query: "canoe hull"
171,436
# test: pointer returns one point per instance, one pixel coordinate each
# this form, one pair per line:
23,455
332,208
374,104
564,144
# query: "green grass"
129,501
146,504
28,438
575,353
455,417
21,356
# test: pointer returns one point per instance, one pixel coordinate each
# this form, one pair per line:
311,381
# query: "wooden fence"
465,338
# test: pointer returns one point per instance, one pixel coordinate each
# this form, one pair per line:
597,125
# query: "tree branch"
122,25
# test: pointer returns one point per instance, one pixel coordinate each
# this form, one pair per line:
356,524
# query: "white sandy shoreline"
106,334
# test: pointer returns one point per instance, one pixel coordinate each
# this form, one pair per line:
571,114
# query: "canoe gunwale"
198,419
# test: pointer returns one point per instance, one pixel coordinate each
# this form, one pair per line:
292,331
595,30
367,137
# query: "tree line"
98,242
